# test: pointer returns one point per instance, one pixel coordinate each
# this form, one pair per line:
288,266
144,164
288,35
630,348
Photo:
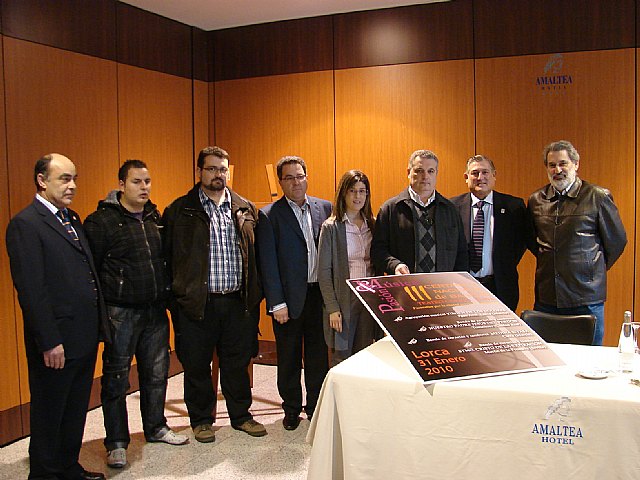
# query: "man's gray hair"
423,154
481,158
560,146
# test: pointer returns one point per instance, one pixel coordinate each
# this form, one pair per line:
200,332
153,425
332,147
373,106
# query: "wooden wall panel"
202,54
155,125
75,25
150,41
521,27
419,33
385,113
42,117
517,117
201,117
260,120
10,425
291,46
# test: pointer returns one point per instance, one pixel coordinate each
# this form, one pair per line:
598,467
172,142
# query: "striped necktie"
477,237
66,223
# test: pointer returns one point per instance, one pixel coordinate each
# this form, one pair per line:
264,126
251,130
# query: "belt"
313,285
224,294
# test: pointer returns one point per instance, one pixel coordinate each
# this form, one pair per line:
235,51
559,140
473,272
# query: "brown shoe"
253,428
204,433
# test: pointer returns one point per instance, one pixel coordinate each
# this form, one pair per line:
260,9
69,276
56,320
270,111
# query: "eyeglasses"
359,191
293,178
221,170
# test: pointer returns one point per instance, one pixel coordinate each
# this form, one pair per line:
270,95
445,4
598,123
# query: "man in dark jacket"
419,230
126,246
209,243
59,294
495,226
578,237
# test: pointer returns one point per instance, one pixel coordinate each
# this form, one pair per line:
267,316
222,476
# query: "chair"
577,329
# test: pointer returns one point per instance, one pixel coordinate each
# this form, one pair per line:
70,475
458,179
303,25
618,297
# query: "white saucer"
594,374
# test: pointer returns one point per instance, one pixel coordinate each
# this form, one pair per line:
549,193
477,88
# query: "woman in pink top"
343,252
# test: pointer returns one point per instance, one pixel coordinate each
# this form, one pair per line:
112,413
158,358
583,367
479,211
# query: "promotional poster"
449,326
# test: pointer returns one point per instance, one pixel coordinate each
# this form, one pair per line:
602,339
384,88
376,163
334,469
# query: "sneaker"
253,428
117,458
204,433
166,435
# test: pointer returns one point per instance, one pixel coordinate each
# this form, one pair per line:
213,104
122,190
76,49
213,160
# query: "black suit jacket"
282,252
509,240
56,282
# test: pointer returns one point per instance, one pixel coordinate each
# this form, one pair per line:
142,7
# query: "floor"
281,455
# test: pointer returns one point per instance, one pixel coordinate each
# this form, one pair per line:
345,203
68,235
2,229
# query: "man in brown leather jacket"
579,236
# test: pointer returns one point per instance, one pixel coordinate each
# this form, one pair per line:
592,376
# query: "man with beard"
208,239
579,236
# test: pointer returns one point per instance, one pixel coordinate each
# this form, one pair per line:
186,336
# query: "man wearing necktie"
54,275
419,230
578,237
495,225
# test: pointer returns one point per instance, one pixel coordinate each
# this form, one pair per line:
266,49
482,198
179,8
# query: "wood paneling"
9,371
75,25
259,120
155,126
278,48
202,55
420,33
516,118
385,113
521,27
201,117
150,41
44,115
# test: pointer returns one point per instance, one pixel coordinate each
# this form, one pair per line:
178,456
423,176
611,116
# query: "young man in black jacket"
126,245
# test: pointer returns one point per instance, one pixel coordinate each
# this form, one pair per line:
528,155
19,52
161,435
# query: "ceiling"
217,14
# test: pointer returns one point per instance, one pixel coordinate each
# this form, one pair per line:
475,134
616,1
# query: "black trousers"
228,329
298,336
59,403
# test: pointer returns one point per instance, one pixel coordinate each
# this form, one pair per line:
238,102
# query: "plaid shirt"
225,259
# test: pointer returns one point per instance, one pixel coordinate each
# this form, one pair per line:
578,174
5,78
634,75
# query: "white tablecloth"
376,420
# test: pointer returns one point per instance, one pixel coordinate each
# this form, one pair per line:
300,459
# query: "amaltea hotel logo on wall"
554,78
555,429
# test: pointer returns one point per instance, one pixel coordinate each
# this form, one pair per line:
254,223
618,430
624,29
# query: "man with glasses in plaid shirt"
209,246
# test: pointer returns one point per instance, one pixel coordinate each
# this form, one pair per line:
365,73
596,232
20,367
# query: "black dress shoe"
85,475
291,421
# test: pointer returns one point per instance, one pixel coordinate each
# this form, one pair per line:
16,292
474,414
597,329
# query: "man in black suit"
287,235
494,259
54,274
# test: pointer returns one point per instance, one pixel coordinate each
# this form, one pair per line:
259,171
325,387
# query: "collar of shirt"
566,190
294,205
416,198
345,219
488,199
47,204
204,199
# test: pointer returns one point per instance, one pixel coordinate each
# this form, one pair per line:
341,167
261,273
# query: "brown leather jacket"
579,236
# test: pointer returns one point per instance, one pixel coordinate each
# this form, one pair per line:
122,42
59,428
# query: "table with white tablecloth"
376,420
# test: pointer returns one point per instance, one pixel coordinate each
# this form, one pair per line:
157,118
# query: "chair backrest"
578,329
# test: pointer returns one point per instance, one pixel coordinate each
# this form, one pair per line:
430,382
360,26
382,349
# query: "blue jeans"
143,332
597,310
